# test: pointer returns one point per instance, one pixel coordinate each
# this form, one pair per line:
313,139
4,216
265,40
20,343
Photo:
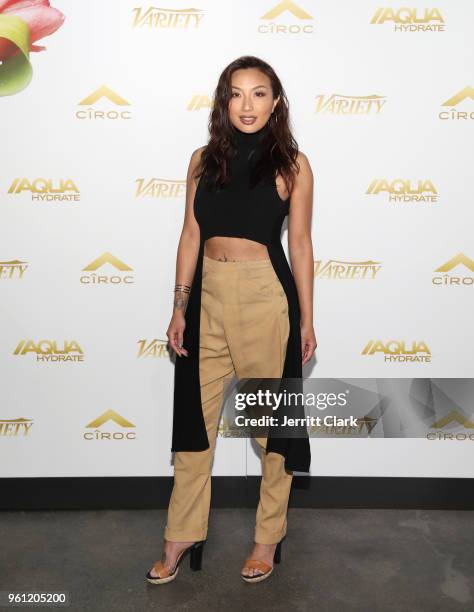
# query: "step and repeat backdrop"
102,103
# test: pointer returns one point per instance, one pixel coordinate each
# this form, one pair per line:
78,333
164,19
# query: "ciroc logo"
454,114
286,10
106,279
126,431
92,113
456,280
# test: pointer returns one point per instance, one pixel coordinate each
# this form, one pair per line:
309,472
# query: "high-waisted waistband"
216,264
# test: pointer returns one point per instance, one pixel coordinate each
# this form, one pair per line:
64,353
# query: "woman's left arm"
300,249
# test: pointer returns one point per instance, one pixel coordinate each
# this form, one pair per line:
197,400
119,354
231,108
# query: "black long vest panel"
257,214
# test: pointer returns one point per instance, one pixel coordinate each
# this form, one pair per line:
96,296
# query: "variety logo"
364,427
165,18
398,351
198,102
455,115
450,279
290,10
46,190
105,279
14,428
156,348
160,188
410,19
453,419
346,270
110,434
403,190
94,113
12,269
48,350
337,104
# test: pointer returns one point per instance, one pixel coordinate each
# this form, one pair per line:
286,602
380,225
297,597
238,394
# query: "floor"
332,560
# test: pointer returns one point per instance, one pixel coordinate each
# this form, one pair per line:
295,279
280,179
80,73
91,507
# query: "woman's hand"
308,342
175,333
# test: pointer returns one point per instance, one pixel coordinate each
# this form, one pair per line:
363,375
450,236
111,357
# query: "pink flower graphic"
41,18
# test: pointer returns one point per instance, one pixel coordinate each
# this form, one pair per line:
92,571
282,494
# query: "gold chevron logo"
286,5
467,92
110,415
455,261
107,258
455,416
104,92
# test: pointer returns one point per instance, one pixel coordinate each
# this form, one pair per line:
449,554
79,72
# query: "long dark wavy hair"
279,149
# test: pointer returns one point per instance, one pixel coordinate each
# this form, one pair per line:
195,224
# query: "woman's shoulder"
196,154
302,159
304,167
194,163
303,180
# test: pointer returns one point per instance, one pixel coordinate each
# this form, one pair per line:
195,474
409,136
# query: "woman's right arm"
186,259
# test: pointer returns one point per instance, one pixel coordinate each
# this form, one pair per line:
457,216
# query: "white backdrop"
126,150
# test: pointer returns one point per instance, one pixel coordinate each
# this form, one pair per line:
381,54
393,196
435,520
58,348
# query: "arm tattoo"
180,300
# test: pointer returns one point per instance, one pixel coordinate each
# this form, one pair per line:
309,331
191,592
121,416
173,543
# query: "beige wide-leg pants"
244,329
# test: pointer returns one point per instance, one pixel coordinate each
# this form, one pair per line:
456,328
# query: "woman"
238,308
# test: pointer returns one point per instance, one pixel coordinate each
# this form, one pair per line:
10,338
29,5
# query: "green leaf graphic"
15,71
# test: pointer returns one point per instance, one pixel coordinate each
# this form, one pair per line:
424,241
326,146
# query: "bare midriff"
227,248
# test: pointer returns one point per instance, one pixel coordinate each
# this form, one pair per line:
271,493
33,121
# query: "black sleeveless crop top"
237,210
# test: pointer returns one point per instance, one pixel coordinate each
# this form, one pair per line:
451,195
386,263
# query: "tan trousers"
244,330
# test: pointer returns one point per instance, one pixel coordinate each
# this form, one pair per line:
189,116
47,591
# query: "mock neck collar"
248,140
